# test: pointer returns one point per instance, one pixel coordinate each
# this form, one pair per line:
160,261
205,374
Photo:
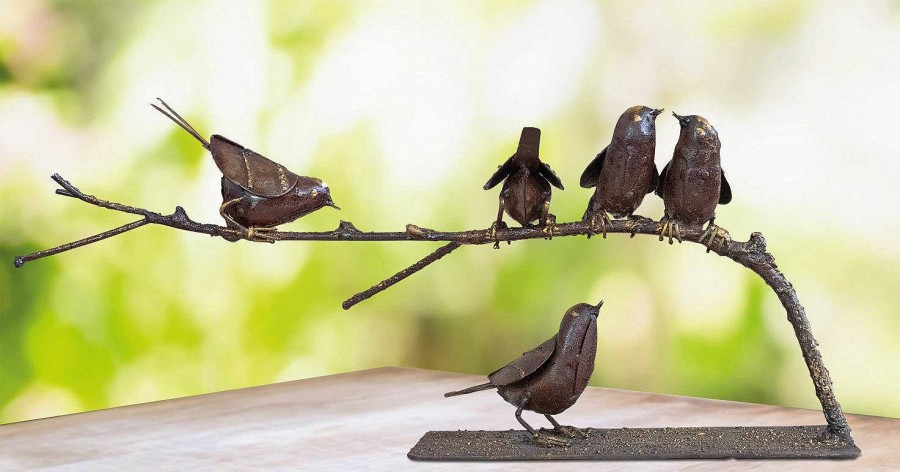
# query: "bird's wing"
586,360
524,366
249,170
547,173
724,191
655,180
592,173
501,174
662,180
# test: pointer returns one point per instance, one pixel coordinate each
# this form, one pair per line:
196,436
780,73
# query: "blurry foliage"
730,364
155,314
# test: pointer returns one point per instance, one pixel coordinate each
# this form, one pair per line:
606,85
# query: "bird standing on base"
693,183
624,171
549,378
526,186
257,193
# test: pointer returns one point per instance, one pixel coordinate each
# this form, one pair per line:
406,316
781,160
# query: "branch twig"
751,254
21,260
386,283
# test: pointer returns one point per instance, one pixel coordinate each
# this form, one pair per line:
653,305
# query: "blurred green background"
406,108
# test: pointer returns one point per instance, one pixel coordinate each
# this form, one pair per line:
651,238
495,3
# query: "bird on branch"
693,183
624,171
526,191
257,194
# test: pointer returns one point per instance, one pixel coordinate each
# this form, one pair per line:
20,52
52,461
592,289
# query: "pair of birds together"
691,184
259,194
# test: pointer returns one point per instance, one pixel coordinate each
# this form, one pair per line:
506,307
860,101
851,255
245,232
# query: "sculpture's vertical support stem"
753,255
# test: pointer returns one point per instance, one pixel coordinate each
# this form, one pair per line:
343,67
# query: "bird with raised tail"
692,184
625,170
526,186
257,193
549,378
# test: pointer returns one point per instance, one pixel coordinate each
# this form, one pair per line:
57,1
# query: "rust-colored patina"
692,183
549,378
526,186
624,171
258,194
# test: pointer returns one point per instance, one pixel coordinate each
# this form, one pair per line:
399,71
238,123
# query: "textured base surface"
766,442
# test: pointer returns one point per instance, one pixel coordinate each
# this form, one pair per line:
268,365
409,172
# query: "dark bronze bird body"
549,378
692,184
526,195
526,191
257,193
624,172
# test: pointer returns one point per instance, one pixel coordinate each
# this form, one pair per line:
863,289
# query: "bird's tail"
477,388
180,122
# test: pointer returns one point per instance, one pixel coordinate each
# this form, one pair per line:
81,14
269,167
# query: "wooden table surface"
369,420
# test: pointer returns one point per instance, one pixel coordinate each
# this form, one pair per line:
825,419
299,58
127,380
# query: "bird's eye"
314,192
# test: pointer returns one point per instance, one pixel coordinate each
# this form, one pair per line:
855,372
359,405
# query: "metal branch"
751,254
21,260
390,281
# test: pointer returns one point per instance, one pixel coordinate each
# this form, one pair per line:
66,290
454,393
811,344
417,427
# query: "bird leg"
499,224
252,233
598,219
715,232
548,220
569,431
238,228
542,439
261,233
669,227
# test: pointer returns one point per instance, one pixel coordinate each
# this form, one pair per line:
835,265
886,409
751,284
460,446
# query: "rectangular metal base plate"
739,442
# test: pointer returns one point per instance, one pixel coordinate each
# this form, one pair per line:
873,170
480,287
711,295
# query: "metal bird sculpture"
257,193
693,183
549,378
526,186
624,171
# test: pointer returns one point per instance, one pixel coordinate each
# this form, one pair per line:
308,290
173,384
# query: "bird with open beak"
549,378
693,183
624,171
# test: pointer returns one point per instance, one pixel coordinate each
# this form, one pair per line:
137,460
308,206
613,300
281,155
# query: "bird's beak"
656,112
597,311
681,119
332,205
